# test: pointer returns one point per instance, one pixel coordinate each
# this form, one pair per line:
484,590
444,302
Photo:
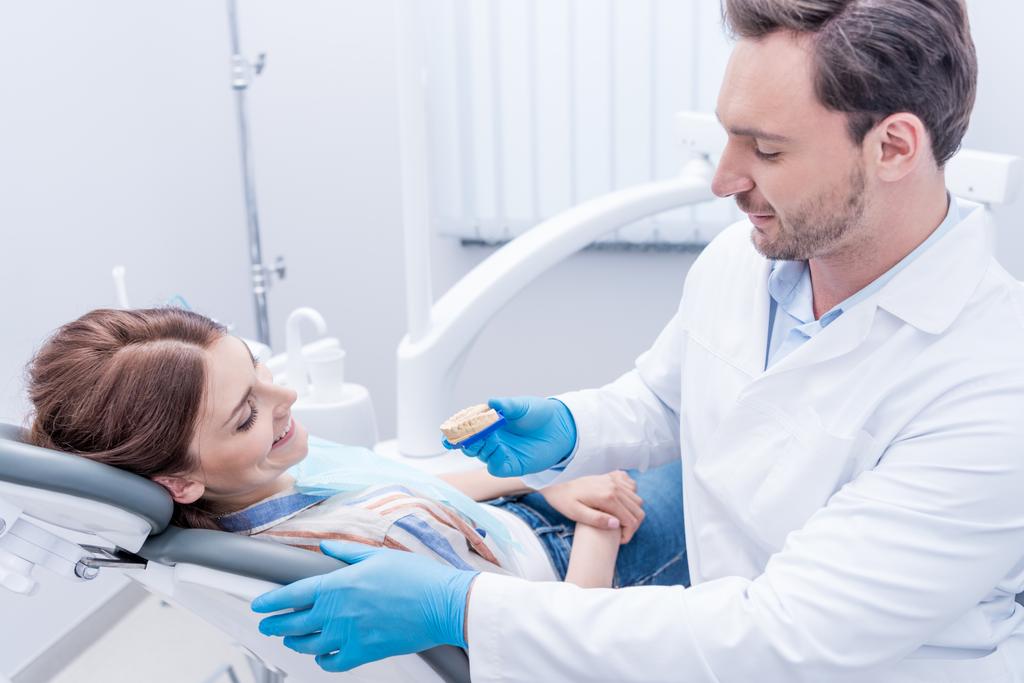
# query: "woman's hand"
605,501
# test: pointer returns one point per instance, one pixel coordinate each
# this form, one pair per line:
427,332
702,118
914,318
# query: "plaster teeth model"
469,422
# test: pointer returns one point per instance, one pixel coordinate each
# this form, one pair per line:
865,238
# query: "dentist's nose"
730,177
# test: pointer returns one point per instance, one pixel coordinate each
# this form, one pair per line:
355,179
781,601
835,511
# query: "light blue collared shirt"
791,316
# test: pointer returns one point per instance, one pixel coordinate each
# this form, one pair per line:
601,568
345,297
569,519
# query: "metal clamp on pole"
104,557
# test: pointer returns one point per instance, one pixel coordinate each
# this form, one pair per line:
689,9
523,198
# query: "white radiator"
536,105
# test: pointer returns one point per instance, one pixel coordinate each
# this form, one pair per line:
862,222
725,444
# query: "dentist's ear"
898,145
182,490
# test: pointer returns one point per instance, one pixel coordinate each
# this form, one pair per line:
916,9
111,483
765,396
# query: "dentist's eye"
766,156
251,420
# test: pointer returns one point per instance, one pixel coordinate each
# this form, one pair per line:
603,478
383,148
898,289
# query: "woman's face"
246,437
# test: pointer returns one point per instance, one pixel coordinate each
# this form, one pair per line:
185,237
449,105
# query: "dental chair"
76,517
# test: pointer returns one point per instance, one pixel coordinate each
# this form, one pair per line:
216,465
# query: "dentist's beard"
816,227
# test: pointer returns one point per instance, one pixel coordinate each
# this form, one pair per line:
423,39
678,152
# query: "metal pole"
241,71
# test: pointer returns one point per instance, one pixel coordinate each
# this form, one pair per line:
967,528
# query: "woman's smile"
286,435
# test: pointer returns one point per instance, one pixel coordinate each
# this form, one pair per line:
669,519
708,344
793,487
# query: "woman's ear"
182,490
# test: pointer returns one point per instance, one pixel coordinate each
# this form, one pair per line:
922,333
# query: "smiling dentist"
844,381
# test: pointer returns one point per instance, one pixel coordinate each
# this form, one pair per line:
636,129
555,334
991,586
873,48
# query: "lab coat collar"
932,290
845,334
928,294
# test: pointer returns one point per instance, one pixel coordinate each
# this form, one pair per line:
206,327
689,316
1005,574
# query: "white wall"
999,108
118,145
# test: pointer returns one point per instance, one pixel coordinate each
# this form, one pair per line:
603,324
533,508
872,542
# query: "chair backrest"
27,465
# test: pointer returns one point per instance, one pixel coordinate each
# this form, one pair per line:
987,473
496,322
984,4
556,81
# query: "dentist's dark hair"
125,388
874,58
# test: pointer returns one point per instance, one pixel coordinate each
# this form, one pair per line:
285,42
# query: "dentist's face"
790,162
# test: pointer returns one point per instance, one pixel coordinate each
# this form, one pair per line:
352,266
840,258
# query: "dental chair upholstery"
25,465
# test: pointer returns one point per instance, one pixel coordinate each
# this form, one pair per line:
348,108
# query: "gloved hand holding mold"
514,436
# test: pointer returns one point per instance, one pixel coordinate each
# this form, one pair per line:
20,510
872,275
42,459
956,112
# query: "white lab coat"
855,513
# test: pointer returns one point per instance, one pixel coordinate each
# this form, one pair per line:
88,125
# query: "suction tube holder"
298,377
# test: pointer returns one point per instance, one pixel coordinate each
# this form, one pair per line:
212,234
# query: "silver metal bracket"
263,276
243,71
276,271
105,557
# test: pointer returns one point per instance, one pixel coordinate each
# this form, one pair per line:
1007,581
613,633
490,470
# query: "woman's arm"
603,501
592,560
594,549
480,485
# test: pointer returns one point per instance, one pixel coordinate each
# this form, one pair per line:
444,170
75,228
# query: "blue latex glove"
538,433
388,602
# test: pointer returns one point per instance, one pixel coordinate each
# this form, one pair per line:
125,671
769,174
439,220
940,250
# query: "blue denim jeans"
656,555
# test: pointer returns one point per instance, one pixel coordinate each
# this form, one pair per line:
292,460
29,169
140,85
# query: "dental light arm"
428,365
440,333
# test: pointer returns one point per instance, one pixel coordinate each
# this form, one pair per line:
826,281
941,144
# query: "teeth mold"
471,424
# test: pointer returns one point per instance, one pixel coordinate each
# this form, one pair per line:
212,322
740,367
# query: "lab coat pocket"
777,470
811,466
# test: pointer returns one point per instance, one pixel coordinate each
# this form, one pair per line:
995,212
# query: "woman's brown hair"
125,388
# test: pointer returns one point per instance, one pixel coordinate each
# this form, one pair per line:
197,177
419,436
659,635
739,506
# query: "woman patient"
169,395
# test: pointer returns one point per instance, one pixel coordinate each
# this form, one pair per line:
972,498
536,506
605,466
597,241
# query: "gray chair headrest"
28,465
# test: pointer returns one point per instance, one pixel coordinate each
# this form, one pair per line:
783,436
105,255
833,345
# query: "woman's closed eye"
253,411
251,420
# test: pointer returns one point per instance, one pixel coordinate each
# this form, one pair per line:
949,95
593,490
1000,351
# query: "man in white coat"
843,380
